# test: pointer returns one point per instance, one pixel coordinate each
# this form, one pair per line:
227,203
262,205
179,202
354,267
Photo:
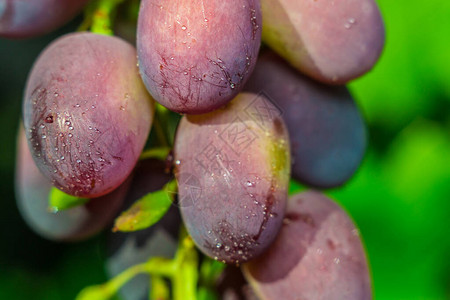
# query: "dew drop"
49,119
183,27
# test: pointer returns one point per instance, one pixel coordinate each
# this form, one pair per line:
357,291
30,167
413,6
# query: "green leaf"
148,210
59,200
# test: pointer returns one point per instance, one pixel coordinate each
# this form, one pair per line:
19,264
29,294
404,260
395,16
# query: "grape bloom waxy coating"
87,114
331,41
195,55
74,224
233,168
25,18
326,129
317,255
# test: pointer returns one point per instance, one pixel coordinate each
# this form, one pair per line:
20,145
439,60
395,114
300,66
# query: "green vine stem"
161,125
157,265
160,153
186,278
182,271
99,15
159,290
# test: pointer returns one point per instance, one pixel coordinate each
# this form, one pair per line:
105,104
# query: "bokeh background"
400,197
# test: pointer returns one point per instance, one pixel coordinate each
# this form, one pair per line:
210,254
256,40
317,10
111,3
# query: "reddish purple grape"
331,41
327,132
28,18
233,167
318,255
131,248
32,193
87,114
195,56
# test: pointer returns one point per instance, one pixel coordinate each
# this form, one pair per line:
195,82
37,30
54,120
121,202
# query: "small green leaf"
148,210
59,200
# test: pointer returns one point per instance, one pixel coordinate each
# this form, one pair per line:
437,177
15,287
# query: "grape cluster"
251,121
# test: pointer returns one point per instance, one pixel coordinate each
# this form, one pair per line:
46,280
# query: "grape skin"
331,41
195,55
131,248
326,129
25,18
75,224
233,168
87,114
317,255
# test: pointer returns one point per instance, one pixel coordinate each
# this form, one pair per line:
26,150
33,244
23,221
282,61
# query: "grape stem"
161,125
159,290
160,153
99,16
182,271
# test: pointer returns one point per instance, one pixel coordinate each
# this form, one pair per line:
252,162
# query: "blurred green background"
400,197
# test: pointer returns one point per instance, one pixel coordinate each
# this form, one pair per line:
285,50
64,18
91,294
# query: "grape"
25,18
32,191
331,41
326,130
232,167
87,114
317,255
195,56
128,249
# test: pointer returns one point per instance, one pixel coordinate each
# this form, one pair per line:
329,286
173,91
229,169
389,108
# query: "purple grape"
233,167
317,255
78,223
87,114
331,41
26,18
327,132
195,56
131,248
